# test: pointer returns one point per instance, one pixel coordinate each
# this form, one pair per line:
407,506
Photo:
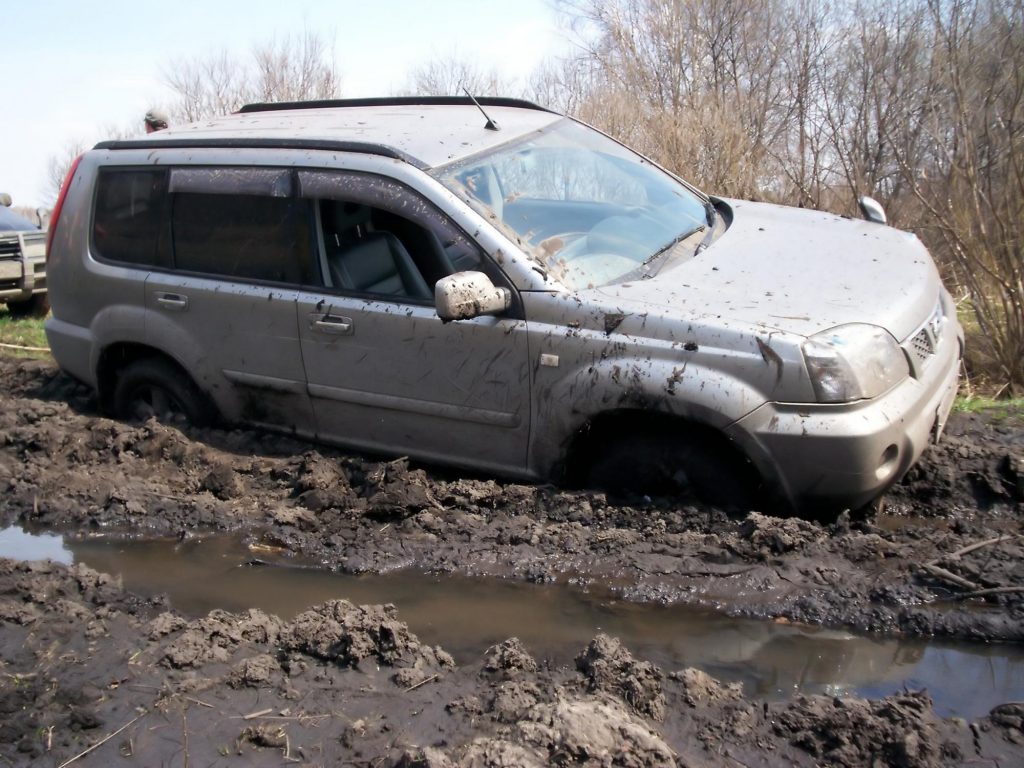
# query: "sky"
73,68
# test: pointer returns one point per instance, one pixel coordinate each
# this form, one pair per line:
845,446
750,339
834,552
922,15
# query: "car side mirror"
872,210
469,294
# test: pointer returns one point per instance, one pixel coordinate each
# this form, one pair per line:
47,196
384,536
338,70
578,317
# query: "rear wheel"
702,465
37,306
156,388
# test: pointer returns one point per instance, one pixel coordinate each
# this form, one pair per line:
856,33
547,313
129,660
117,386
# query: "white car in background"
22,264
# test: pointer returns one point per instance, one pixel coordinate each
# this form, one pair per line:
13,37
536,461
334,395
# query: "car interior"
370,250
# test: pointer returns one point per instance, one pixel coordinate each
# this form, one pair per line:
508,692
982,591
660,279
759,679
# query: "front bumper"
830,457
21,278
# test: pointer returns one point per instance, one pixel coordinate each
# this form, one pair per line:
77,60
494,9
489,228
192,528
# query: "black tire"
37,306
702,466
154,387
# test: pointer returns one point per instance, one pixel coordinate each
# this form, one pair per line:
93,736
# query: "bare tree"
697,80
295,69
60,163
290,69
214,85
968,175
57,169
448,76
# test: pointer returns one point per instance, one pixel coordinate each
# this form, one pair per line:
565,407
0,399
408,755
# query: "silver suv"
22,264
512,292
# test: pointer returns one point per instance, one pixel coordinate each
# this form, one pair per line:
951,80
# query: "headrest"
347,216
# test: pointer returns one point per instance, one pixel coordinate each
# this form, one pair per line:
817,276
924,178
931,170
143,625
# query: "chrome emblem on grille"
936,322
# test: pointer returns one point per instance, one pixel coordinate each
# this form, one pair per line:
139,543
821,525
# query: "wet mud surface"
82,657
88,666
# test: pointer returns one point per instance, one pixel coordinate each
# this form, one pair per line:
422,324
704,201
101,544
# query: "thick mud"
91,670
82,657
943,559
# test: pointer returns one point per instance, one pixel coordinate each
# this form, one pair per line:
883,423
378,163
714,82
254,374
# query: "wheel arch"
115,357
602,427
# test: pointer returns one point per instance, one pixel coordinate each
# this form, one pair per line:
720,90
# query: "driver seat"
378,263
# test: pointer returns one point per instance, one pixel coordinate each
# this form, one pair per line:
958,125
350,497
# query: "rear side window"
243,236
129,217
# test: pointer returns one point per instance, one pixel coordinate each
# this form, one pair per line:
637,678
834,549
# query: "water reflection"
466,616
19,545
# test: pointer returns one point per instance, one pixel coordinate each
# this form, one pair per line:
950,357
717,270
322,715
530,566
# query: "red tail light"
60,203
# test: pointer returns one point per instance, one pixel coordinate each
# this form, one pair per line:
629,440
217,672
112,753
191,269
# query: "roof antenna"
491,125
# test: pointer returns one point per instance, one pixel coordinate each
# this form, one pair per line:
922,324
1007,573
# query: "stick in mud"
260,713
102,741
971,548
949,577
421,683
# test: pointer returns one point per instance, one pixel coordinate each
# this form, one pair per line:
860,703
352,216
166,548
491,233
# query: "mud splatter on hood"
798,271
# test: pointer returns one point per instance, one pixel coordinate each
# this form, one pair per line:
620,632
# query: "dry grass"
18,332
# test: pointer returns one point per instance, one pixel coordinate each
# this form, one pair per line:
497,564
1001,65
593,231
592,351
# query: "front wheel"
701,466
155,388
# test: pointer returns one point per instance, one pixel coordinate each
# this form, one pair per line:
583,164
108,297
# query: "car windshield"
590,210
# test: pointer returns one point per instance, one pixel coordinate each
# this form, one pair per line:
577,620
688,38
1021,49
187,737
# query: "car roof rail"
394,101
359,147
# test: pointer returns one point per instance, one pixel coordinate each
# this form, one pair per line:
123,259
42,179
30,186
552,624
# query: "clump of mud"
609,667
978,465
899,730
351,635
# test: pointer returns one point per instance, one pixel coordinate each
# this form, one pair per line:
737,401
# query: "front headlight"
853,362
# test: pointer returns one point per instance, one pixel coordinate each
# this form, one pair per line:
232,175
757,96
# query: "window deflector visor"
265,182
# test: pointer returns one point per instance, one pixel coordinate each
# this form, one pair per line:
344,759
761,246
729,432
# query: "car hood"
798,271
12,222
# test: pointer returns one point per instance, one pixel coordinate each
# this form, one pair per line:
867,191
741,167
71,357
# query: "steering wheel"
564,245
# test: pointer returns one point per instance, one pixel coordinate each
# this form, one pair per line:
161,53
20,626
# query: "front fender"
683,389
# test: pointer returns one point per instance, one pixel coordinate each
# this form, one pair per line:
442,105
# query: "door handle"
339,326
172,300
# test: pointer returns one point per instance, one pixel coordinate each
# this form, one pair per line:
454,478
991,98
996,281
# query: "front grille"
9,248
921,346
924,342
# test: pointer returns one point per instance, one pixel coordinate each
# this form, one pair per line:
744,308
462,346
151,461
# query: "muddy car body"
399,276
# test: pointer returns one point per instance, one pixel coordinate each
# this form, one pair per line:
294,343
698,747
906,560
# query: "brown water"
467,615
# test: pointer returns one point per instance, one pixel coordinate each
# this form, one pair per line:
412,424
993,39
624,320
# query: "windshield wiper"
673,242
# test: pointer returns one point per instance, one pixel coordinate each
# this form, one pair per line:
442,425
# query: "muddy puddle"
468,615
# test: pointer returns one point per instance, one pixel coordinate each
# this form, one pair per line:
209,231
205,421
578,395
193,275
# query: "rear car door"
242,244
384,373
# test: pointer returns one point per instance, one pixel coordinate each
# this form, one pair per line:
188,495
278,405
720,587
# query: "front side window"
591,210
381,239
129,216
249,237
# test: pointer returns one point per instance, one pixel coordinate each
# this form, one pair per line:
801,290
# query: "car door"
242,243
384,373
